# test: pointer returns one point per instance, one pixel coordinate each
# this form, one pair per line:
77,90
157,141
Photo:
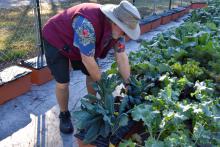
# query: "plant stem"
160,134
150,130
198,138
143,133
117,122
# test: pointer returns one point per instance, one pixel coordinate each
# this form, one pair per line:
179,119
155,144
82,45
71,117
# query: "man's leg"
62,94
59,66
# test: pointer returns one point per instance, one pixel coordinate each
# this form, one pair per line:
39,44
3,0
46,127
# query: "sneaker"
66,126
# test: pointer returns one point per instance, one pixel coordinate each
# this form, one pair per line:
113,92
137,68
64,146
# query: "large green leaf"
123,104
163,68
151,142
201,135
92,133
172,118
212,25
123,120
88,105
190,40
105,129
109,103
203,37
82,117
174,41
145,113
91,97
180,138
94,120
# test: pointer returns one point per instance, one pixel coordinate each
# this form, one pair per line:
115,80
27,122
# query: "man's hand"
92,67
127,86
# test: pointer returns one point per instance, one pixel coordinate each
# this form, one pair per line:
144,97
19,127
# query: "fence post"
154,11
40,61
39,26
170,4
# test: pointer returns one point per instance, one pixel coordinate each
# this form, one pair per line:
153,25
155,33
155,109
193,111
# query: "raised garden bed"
145,26
198,5
14,81
40,72
166,17
182,11
155,21
177,13
187,9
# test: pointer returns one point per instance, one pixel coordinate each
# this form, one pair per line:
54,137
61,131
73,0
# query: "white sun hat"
126,16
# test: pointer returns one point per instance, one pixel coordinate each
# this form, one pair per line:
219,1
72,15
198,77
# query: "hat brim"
107,9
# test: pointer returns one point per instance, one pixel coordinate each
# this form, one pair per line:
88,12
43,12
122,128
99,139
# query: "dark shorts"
59,64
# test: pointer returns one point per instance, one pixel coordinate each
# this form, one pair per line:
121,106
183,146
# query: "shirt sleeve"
84,35
120,45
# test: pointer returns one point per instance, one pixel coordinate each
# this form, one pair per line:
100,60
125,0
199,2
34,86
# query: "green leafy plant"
191,70
97,116
173,89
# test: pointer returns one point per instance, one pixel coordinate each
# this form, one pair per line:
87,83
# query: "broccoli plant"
136,91
97,116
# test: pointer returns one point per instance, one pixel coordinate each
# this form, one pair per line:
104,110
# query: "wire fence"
19,25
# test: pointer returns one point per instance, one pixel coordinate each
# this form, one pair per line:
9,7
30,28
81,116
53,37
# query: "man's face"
116,31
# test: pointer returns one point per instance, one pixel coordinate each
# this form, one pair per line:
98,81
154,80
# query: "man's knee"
62,86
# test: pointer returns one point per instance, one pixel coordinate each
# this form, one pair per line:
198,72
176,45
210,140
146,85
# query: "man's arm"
91,67
84,39
122,60
123,65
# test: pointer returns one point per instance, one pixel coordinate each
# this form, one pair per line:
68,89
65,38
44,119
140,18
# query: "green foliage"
151,142
191,70
127,143
136,92
201,135
113,69
182,66
179,138
97,116
145,113
173,89
207,15
204,90
12,55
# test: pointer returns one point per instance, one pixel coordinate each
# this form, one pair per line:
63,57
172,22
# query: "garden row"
17,80
174,94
